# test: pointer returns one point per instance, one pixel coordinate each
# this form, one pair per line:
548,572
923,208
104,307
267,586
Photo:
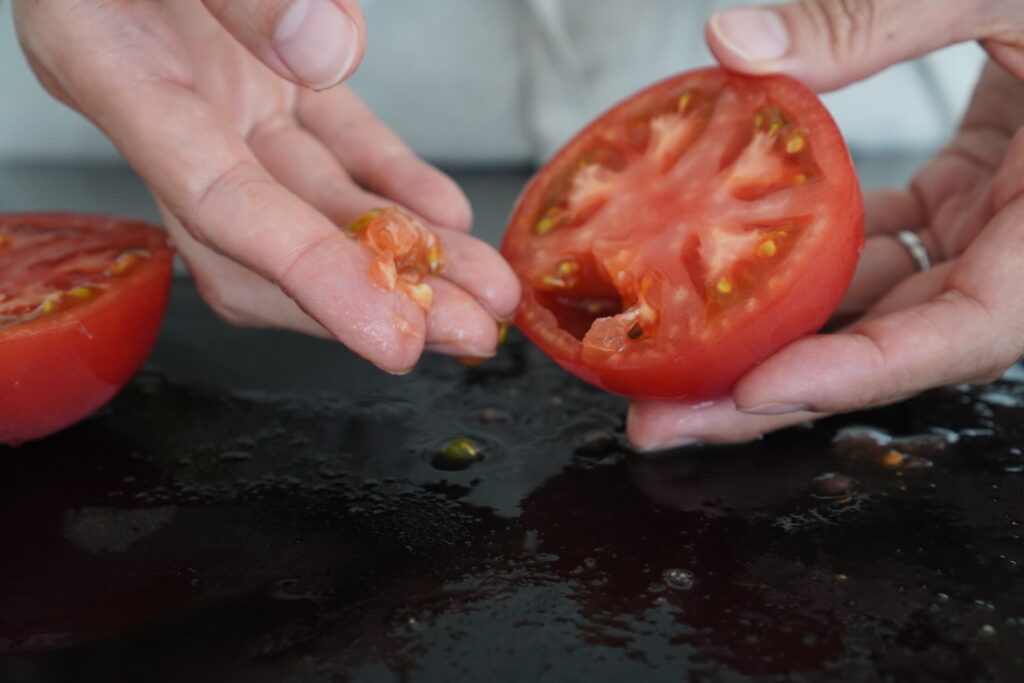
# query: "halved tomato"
81,301
687,234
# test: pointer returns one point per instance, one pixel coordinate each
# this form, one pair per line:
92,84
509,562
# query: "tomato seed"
81,292
795,143
567,268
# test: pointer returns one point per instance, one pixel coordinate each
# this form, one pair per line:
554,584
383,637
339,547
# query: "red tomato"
81,300
687,234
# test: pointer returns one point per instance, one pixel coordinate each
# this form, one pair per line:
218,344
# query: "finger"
889,210
916,289
236,294
457,324
884,263
480,270
829,43
379,161
316,43
881,263
972,331
208,178
654,426
302,164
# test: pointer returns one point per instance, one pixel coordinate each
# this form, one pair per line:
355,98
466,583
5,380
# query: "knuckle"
847,25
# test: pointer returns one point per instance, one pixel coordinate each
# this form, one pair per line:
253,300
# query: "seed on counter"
457,454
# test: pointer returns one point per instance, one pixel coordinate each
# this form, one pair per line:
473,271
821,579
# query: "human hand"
213,104
959,321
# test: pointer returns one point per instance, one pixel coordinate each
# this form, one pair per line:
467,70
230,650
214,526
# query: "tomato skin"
798,304
58,369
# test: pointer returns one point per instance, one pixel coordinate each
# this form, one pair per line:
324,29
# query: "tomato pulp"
687,234
81,301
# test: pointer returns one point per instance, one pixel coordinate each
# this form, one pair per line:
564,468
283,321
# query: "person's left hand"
960,321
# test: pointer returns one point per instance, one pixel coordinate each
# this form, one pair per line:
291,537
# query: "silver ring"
915,247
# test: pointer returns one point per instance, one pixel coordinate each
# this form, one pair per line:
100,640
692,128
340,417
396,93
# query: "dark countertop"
260,506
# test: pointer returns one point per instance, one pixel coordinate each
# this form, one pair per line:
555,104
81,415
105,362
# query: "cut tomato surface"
81,301
687,234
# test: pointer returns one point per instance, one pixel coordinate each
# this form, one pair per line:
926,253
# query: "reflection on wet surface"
195,533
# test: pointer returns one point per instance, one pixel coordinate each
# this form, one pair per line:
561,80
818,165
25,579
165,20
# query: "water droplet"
678,579
988,632
1001,398
862,433
833,485
457,454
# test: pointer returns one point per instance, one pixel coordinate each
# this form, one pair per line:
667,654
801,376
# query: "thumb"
316,43
829,43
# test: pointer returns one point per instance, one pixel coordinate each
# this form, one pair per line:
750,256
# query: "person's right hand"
214,104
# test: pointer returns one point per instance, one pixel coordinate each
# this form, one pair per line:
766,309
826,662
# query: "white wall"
507,80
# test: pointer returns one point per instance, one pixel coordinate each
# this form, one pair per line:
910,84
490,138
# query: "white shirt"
508,81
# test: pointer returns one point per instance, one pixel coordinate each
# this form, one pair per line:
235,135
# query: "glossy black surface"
258,506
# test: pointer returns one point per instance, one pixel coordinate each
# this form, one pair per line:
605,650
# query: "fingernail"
677,442
317,41
773,408
753,34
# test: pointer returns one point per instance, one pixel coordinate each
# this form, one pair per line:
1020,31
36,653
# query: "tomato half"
687,234
81,301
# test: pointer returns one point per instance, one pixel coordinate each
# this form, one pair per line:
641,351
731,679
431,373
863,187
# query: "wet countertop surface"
260,506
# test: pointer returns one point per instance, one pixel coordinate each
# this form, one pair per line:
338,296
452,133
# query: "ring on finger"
915,248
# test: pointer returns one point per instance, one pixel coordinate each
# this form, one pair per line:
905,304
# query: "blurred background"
487,90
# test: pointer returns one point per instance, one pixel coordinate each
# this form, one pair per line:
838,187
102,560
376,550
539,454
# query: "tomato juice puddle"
612,293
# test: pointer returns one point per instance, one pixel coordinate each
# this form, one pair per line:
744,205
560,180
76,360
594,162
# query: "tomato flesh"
81,301
687,234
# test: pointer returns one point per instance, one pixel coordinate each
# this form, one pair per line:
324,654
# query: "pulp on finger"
405,251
